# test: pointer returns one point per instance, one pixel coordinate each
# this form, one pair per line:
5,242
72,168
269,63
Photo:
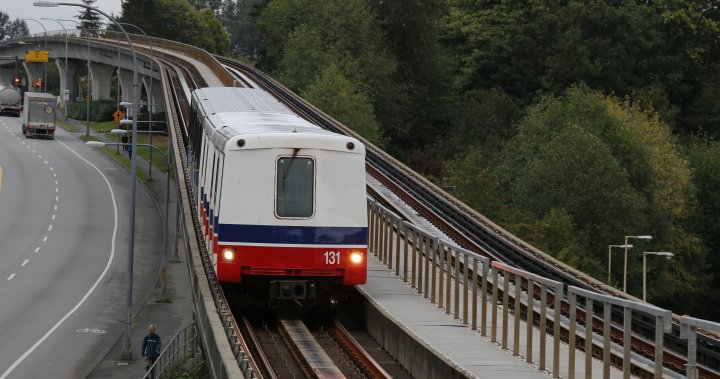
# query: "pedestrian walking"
151,347
124,140
129,147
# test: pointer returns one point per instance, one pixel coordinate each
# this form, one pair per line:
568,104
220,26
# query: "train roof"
214,100
234,113
40,95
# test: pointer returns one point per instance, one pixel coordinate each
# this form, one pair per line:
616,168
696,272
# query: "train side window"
295,182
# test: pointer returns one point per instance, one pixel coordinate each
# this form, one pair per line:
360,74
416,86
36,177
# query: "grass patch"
159,141
67,126
124,161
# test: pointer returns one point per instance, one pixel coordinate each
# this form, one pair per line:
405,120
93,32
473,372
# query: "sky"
26,9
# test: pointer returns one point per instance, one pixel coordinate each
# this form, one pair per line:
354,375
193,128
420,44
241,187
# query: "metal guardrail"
688,330
446,275
663,323
184,346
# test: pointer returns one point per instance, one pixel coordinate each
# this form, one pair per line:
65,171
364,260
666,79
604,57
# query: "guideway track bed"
289,347
471,230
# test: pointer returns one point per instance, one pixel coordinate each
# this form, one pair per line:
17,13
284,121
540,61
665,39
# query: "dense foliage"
10,29
177,20
570,123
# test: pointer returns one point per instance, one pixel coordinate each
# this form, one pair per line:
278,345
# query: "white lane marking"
37,249
53,217
57,190
25,262
56,183
39,156
33,150
11,276
51,169
46,162
23,142
50,227
54,175
45,239
55,207
91,290
57,198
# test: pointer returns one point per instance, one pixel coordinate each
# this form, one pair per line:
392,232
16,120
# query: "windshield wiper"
287,170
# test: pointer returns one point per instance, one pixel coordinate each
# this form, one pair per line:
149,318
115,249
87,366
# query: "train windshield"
295,184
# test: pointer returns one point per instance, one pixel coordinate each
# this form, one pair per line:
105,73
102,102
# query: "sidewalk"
170,312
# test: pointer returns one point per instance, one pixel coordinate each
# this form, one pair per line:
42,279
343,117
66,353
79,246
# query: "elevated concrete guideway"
107,56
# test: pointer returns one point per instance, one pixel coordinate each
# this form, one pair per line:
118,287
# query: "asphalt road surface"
63,254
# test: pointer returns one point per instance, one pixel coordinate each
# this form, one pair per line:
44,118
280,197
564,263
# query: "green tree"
10,29
90,20
582,171
704,157
213,37
177,20
337,96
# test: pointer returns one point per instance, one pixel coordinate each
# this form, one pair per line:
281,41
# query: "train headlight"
356,257
228,254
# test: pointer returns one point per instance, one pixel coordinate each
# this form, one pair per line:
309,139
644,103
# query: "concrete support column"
156,96
73,66
7,74
101,79
126,84
34,71
60,63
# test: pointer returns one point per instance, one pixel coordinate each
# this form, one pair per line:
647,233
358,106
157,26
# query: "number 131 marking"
332,257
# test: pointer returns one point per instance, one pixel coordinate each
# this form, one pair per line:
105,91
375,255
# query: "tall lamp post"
44,89
665,254
646,238
610,257
126,353
66,60
151,104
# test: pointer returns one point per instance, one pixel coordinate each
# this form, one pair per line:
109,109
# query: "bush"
100,110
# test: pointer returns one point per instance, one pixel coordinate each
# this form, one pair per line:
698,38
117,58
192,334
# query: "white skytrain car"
282,201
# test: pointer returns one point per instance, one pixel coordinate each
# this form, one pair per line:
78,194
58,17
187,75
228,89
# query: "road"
63,254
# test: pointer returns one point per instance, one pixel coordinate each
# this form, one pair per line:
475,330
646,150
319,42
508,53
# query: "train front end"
292,217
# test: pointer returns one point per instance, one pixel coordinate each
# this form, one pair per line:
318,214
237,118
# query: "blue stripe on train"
300,235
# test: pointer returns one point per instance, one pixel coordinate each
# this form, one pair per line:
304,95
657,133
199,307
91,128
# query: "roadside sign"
66,94
118,115
36,55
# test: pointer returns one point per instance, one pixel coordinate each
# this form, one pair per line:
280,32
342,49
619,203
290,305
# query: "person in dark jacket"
151,347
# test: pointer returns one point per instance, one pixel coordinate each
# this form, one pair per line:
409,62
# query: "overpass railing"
456,280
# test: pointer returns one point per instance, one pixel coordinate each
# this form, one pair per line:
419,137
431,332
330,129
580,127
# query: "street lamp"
151,105
126,353
646,238
665,254
610,257
44,89
64,102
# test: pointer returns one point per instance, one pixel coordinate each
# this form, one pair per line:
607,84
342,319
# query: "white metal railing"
451,278
688,330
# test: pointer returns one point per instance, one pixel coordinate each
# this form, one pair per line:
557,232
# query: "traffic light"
16,81
37,83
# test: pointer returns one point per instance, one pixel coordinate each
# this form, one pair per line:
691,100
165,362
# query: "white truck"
38,117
